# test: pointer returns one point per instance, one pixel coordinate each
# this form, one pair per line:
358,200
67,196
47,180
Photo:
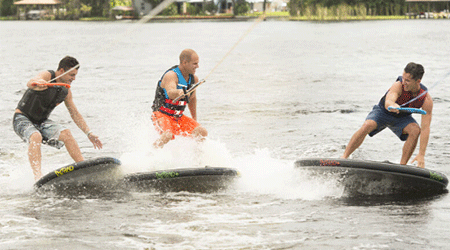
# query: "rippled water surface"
288,90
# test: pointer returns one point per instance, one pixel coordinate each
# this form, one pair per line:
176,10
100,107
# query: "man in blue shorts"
407,91
31,121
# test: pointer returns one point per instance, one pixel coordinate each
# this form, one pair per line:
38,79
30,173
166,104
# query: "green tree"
114,3
192,9
294,7
171,10
7,8
348,7
211,7
241,7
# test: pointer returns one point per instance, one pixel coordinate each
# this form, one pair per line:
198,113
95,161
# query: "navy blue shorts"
383,120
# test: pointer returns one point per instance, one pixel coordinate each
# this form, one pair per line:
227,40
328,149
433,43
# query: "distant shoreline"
241,18
275,18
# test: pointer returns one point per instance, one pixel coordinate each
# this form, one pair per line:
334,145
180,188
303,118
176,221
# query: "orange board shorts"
178,126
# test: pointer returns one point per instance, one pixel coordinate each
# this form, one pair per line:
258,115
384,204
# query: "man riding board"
31,121
168,117
407,91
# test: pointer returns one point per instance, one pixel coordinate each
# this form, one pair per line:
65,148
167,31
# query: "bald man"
168,117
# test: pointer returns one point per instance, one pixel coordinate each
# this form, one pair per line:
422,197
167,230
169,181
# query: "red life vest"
165,105
405,98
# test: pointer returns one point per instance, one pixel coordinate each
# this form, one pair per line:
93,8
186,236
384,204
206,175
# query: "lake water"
288,90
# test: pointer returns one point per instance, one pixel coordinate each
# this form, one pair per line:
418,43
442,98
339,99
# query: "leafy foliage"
241,7
7,8
356,7
171,10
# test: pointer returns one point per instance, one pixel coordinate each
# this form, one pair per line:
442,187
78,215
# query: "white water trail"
259,172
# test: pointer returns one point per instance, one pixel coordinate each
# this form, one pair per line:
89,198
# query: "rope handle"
190,90
51,84
411,110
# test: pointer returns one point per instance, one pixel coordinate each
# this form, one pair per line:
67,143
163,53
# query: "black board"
86,175
207,179
378,178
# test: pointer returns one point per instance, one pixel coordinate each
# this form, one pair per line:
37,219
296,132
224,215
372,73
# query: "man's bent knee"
413,130
34,143
36,137
65,135
200,132
167,136
163,139
369,126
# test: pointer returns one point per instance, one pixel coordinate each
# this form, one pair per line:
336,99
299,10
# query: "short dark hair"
67,63
415,70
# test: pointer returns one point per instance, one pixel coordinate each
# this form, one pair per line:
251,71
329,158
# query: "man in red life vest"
168,117
407,91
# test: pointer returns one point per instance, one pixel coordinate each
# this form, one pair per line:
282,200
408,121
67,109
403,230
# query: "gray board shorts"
49,130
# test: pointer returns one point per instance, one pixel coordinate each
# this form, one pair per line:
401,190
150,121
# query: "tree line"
74,9
360,7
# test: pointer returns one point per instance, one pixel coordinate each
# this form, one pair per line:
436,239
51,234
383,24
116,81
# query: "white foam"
180,153
16,178
263,174
260,172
